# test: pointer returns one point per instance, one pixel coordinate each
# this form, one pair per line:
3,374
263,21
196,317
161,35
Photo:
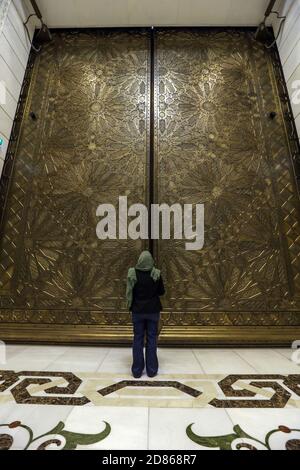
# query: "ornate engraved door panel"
89,144
215,145
93,141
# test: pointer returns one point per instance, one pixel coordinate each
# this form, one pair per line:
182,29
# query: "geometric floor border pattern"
165,391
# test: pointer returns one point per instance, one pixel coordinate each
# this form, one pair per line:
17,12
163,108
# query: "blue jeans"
145,323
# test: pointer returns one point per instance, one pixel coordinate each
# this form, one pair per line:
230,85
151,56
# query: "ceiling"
105,13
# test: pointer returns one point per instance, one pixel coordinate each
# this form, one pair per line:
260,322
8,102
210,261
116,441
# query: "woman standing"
144,287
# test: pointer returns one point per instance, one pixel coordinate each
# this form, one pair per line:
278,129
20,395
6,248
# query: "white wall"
289,50
14,52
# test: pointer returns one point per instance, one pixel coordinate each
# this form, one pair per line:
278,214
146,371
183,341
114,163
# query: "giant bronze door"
88,145
168,116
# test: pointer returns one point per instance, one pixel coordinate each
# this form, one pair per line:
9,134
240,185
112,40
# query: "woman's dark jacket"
146,293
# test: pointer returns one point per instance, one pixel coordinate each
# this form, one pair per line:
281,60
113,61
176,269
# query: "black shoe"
137,376
152,375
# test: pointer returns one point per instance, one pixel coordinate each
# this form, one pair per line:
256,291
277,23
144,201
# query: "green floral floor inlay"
282,438
58,438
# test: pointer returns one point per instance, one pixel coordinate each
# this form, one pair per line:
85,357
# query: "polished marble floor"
57,397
